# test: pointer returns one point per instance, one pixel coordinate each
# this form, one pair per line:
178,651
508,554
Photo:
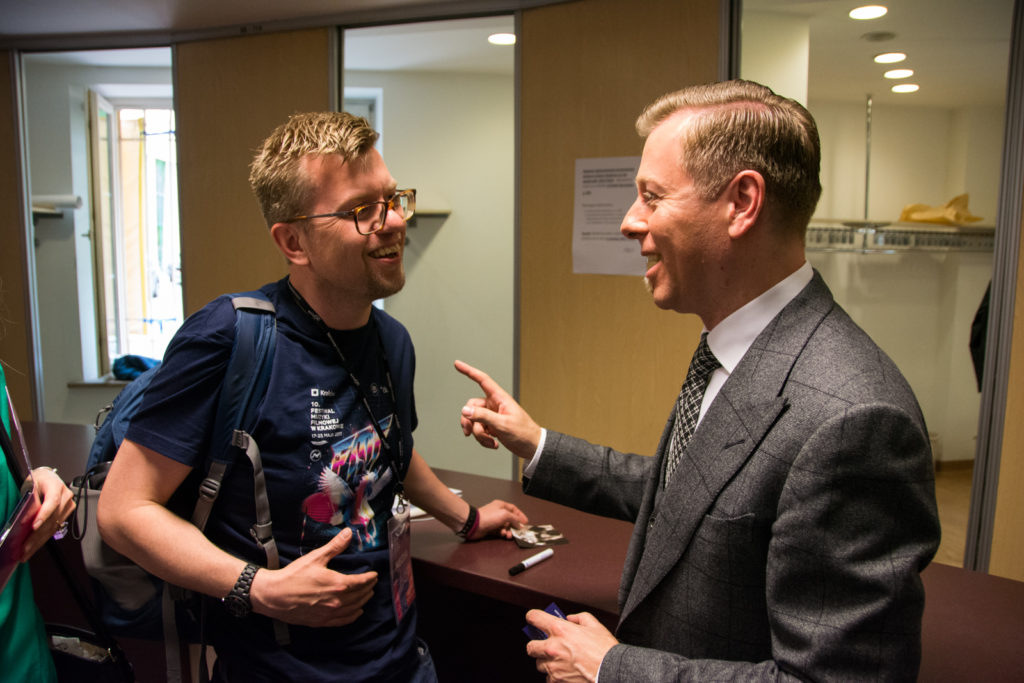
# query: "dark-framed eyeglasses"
371,217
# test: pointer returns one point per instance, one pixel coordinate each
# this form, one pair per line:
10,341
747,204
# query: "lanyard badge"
403,591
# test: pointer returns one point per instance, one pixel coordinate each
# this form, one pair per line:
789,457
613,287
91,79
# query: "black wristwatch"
237,602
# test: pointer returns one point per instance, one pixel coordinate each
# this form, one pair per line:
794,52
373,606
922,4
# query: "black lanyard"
382,356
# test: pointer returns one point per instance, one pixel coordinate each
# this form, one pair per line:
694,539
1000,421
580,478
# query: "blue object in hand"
534,633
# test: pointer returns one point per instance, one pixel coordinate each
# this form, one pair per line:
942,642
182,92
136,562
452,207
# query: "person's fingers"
489,386
47,509
584,619
475,420
465,422
517,514
542,620
332,548
483,437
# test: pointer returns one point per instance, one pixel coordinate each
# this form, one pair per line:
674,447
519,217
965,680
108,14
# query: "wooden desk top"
583,574
973,627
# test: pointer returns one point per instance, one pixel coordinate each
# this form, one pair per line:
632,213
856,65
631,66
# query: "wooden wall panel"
1007,554
229,94
15,339
597,358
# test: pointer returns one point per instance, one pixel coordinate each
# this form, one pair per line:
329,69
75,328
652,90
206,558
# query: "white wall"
976,163
451,136
776,52
55,103
919,155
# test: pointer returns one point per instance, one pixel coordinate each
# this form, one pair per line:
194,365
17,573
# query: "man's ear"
746,198
288,238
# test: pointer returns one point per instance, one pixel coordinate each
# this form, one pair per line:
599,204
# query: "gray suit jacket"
789,541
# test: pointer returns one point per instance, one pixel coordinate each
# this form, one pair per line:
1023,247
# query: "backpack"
132,602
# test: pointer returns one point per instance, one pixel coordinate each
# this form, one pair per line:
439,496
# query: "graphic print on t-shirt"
348,486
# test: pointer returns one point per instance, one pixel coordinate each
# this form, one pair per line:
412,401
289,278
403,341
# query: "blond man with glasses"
334,433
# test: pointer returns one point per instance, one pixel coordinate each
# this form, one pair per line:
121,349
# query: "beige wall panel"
1007,555
229,94
597,358
14,328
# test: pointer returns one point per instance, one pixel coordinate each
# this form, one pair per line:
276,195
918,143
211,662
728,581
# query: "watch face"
237,601
236,606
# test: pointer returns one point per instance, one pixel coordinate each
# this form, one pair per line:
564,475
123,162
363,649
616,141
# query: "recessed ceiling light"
906,87
890,57
868,12
502,39
899,73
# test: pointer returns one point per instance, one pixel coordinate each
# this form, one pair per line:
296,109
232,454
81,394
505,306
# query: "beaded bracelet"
472,521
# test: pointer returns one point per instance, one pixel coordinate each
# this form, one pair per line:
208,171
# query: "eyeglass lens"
371,217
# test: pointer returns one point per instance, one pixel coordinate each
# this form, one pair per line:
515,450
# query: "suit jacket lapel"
745,409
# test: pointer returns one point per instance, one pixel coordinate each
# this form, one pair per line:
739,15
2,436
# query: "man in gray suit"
785,538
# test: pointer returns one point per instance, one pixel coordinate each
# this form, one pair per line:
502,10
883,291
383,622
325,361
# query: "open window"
135,236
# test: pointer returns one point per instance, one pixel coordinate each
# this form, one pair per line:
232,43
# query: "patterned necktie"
688,403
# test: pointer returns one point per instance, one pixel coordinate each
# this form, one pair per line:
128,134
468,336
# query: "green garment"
24,654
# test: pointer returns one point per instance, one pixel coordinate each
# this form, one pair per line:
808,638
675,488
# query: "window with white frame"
136,245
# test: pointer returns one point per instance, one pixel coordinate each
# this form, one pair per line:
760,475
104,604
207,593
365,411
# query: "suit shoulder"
841,358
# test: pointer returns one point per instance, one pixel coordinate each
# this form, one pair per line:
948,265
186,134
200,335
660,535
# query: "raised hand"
497,418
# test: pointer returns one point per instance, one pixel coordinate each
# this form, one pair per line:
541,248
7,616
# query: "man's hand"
574,648
499,517
497,417
57,504
307,593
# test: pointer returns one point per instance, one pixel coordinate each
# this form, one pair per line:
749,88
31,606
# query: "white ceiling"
451,45
958,48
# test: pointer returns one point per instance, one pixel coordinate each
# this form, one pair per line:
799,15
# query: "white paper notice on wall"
605,189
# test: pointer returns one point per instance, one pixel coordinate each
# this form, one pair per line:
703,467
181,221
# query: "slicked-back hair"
281,187
740,125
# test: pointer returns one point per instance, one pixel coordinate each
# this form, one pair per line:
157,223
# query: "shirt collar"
732,337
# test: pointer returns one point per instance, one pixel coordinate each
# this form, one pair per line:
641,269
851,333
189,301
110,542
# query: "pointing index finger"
489,386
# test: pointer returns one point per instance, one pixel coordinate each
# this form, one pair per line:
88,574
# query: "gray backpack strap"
208,491
252,302
172,646
262,530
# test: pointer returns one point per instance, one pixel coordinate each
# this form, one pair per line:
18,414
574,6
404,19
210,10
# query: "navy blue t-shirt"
325,469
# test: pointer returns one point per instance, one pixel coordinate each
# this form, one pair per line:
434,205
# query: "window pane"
152,264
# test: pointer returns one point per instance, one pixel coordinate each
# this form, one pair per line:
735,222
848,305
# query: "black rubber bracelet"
470,525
